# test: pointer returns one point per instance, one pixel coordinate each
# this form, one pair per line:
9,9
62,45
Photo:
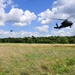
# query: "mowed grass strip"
37,59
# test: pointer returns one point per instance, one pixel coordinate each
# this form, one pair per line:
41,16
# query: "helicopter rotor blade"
57,19
70,16
63,19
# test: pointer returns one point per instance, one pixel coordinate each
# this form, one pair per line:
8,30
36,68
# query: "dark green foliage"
51,40
70,61
62,40
60,67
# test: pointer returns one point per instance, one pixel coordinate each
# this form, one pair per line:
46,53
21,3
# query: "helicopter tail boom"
57,27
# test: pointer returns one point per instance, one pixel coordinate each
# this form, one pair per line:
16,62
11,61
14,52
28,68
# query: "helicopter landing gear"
70,26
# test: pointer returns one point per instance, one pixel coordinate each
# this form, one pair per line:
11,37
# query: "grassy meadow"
37,59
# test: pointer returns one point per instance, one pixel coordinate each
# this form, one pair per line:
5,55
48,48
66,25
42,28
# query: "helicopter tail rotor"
56,25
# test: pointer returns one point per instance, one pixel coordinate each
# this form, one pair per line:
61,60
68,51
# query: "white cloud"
64,32
4,3
65,6
20,18
61,9
42,28
47,21
17,34
2,23
22,33
9,2
60,33
2,32
2,16
14,15
44,17
17,16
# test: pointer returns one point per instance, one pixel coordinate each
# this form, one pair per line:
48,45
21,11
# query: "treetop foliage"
50,40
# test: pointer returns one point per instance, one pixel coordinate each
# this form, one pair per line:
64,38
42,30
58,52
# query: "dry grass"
36,59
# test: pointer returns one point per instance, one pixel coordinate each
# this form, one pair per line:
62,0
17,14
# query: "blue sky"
33,17
35,6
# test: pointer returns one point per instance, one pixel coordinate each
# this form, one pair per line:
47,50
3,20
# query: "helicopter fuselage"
65,23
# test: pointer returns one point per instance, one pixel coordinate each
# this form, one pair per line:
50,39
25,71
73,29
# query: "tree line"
50,40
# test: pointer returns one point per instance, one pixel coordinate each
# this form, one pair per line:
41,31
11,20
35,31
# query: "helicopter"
11,30
64,23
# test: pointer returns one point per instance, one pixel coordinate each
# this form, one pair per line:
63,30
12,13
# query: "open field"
37,59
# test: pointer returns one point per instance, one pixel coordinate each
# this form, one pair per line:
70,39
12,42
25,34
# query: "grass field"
37,59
